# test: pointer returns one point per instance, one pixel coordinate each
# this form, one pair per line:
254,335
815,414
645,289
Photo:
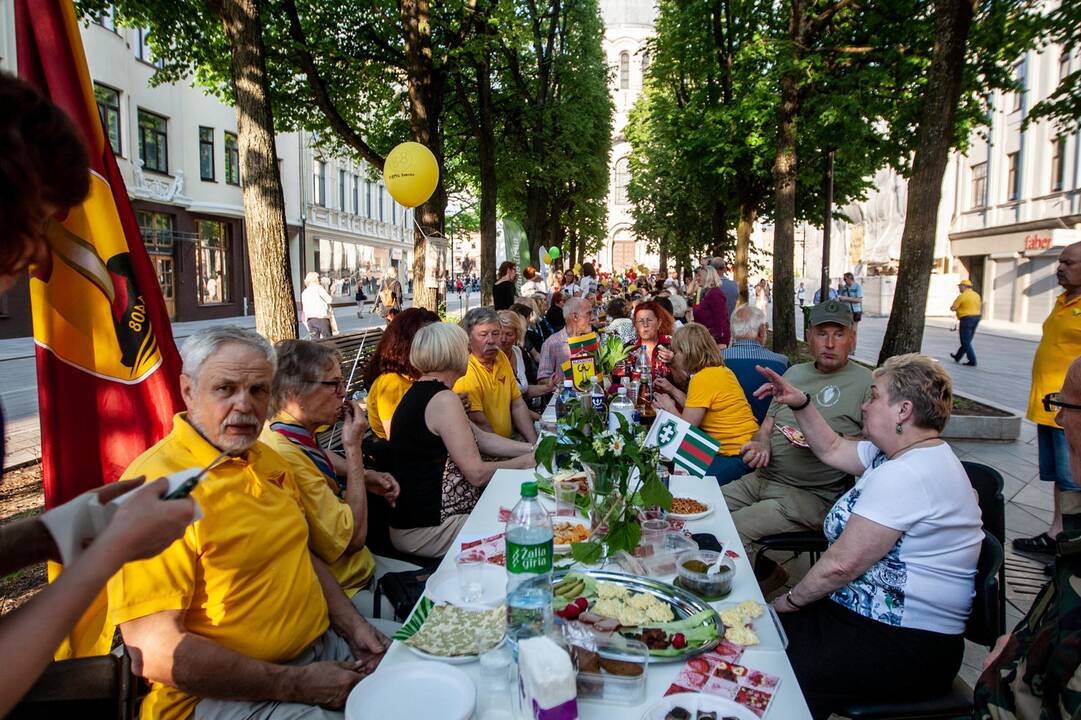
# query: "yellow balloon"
411,174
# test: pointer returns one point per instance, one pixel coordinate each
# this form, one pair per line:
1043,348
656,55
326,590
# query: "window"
1063,64
368,197
153,141
105,18
157,231
1058,162
1019,78
206,153
645,63
320,180
356,194
624,71
232,159
979,185
341,190
142,48
621,178
381,203
1011,176
212,261
393,213
109,109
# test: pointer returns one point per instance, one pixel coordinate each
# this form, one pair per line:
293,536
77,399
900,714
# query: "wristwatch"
806,402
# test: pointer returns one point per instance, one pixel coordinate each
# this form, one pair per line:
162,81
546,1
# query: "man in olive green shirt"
792,489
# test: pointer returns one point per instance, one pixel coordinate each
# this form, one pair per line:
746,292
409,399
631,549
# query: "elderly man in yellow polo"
237,619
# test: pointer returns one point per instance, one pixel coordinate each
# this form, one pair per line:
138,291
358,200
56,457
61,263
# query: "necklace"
912,445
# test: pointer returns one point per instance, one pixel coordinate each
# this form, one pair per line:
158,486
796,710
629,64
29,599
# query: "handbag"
459,495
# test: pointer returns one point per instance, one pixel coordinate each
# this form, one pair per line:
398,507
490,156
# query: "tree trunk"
784,176
662,259
747,214
264,203
536,213
719,226
425,106
904,333
488,189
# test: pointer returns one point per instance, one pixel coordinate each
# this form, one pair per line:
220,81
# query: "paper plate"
693,516
449,660
692,703
393,692
443,588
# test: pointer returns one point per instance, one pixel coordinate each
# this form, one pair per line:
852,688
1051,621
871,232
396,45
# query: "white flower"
599,446
617,444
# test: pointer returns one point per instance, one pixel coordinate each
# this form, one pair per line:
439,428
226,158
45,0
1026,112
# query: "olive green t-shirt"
838,396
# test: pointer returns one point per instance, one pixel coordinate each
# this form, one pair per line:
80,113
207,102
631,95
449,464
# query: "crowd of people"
259,608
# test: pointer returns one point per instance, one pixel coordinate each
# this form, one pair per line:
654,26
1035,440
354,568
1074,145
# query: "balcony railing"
161,241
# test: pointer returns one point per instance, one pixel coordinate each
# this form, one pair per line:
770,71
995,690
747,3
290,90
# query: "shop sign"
1035,241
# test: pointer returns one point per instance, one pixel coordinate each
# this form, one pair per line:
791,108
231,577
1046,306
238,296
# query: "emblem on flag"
687,446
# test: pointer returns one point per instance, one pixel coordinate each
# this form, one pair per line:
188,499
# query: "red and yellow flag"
107,366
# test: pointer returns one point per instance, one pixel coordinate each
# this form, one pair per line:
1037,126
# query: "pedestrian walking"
390,294
851,292
317,306
967,307
1059,346
801,295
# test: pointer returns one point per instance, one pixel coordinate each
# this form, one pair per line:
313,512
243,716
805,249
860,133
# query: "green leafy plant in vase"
617,493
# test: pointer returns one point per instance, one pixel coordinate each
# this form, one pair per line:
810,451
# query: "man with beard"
237,618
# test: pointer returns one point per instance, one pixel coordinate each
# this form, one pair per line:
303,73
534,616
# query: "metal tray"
684,604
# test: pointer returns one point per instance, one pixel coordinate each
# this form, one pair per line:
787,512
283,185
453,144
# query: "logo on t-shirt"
828,396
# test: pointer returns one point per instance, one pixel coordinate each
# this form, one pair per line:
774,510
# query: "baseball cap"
831,311
966,283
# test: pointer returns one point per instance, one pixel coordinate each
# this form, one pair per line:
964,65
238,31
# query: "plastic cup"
653,531
470,576
566,493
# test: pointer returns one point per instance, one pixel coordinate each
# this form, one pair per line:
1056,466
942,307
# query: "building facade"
176,147
628,25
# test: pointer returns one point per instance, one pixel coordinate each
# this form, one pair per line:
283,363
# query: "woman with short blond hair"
714,400
436,450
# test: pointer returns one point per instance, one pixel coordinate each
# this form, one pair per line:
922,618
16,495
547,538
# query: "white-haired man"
237,618
317,305
577,314
747,350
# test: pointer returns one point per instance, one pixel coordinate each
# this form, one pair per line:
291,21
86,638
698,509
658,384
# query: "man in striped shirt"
578,314
746,351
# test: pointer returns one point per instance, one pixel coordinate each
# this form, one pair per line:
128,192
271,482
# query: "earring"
900,429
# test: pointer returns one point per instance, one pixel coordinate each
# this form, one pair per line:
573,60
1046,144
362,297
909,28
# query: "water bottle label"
531,559
598,403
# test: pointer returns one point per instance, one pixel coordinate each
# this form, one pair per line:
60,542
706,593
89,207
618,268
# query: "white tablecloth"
503,490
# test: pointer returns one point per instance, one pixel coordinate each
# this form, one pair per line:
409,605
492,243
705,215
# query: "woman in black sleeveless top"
436,451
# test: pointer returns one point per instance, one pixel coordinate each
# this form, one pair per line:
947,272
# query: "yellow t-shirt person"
491,391
967,303
383,398
728,419
330,520
1059,346
242,574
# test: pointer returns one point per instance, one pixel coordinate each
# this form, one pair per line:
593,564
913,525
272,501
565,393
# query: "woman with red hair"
653,327
390,374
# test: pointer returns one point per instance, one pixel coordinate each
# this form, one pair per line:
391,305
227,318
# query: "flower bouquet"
622,478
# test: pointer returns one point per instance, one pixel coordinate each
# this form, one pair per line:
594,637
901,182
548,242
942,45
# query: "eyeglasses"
645,321
1055,400
338,385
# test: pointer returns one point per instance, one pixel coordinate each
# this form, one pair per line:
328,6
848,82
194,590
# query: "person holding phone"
45,173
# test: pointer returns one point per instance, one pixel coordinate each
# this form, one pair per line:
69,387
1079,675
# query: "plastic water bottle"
596,396
564,404
621,405
529,568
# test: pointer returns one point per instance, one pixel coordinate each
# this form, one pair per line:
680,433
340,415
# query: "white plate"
392,692
693,516
443,588
454,660
693,702
564,549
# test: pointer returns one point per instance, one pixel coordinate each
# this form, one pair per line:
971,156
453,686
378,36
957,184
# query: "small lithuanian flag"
584,343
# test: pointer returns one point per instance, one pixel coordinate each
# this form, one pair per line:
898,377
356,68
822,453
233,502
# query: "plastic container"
529,568
613,671
709,587
659,556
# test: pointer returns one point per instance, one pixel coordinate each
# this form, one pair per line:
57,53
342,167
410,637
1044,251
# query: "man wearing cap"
793,490
967,307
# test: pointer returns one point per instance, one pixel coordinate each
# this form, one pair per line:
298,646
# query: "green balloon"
554,252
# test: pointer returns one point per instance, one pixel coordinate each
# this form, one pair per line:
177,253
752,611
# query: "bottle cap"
529,489
622,392
567,383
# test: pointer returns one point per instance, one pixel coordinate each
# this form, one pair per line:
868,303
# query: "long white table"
503,491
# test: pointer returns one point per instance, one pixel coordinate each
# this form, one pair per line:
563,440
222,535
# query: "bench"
356,350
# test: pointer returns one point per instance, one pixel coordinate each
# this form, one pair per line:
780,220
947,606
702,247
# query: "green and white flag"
687,446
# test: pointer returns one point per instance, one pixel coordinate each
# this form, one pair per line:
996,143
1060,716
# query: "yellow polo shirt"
967,303
491,391
330,520
1059,346
383,398
242,575
728,418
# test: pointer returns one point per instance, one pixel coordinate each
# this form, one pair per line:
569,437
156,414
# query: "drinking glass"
566,492
470,576
494,693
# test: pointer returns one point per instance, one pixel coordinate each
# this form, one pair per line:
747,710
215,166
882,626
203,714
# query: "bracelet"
788,597
806,402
